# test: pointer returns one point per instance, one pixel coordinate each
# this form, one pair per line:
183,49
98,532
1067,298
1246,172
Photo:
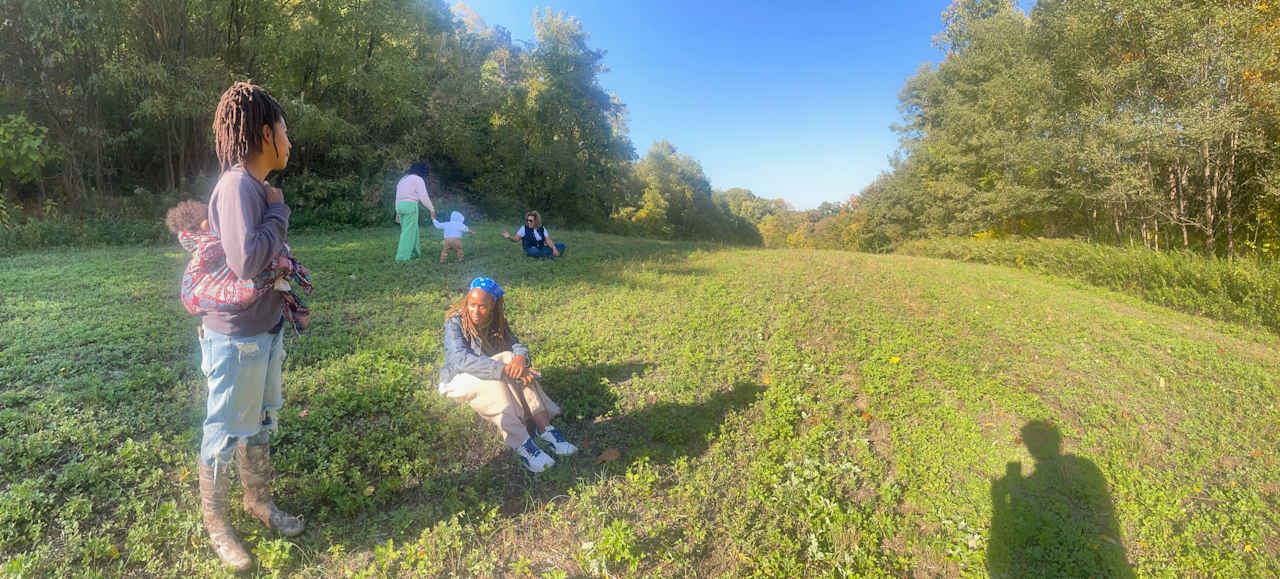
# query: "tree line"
1149,123
106,105
1142,122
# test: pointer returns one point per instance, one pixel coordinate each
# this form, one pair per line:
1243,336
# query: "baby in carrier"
209,285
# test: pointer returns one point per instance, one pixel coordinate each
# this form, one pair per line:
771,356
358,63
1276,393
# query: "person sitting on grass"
452,231
208,284
533,236
488,368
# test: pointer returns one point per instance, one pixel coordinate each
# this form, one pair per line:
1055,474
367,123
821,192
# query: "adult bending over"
533,236
488,368
243,351
410,191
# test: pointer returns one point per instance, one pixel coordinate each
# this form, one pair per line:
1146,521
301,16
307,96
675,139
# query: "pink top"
413,188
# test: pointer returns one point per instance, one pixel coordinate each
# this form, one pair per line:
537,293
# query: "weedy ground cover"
1244,290
783,413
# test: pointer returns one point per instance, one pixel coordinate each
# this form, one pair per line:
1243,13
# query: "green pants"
410,247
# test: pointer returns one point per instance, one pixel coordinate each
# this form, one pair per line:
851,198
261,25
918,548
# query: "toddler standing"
453,230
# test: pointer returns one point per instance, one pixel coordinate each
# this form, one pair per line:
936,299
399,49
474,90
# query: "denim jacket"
466,357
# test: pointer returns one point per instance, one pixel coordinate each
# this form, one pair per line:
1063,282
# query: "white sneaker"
532,457
559,445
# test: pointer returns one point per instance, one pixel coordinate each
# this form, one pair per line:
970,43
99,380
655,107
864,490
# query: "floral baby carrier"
209,285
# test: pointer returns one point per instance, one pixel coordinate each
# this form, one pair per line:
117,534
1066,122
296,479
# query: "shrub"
61,231
326,203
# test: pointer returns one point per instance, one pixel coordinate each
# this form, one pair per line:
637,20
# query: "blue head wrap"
487,285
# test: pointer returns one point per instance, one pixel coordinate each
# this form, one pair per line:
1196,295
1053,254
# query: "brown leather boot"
255,475
213,504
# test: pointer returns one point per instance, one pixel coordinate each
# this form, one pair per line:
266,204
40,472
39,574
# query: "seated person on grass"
486,367
533,236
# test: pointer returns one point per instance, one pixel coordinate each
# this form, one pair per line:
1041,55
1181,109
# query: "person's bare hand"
506,235
274,194
397,218
515,369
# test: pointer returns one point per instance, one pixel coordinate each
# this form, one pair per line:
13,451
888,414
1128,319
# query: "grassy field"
1245,291
779,413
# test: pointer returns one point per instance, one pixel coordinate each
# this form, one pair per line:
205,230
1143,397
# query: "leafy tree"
743,203
1136,122
23,151
565,135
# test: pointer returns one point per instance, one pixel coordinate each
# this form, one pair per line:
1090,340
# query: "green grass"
780,413
1243,290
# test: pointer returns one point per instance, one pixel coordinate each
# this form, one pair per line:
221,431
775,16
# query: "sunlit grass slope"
783,413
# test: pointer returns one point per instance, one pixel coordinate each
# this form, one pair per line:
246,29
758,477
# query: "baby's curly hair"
186,216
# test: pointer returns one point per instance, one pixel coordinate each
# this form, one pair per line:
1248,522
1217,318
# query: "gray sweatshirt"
253,233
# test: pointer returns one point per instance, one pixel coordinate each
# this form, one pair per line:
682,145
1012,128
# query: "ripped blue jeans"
244,379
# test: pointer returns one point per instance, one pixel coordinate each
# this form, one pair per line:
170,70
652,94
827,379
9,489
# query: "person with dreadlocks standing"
410,191
488,368
243,351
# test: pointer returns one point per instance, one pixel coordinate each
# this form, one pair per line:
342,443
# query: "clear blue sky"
790,100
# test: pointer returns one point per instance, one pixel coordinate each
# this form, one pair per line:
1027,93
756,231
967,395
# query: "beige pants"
493,400
454,243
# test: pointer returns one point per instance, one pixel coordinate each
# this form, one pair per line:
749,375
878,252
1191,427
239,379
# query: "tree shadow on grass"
1059,521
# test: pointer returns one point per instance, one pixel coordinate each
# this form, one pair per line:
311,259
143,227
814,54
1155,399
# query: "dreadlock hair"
237,123
186,216
497,337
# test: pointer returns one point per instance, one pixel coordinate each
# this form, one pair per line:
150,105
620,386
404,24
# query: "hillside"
782,412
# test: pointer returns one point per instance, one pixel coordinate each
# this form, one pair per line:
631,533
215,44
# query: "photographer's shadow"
1059,521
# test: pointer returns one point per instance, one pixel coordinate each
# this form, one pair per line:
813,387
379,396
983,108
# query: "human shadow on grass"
584,394
660,433
489,477
666,431
1057,522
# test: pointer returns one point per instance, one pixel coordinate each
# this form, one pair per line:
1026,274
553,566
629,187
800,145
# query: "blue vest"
530,241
